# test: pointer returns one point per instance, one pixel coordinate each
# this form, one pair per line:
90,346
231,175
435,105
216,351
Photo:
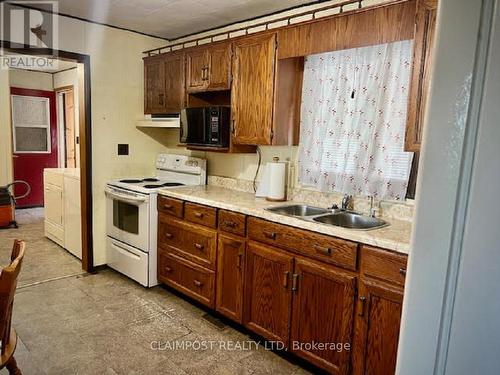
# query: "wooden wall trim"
366,27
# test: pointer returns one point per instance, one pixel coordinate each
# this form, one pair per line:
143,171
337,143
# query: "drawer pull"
168,206
197,283
286,274
323,250
199,246
229,224
295,279
270,235
199,215
169,235
168,269
239,261
402,271
362,301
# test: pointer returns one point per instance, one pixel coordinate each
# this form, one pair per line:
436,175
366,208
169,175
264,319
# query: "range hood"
160,121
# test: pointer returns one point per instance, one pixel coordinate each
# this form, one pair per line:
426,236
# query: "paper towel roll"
277,181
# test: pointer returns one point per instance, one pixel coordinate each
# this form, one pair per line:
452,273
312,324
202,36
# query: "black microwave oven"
205,126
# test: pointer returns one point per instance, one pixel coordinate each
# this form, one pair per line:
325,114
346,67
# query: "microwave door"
196,134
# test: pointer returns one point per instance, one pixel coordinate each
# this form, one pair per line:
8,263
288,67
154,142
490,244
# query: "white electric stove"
132,217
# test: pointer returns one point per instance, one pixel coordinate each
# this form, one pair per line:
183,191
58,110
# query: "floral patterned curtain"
353,120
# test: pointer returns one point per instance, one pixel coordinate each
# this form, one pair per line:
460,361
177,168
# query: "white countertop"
394,237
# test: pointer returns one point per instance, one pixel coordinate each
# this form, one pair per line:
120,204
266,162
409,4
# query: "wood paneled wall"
366,27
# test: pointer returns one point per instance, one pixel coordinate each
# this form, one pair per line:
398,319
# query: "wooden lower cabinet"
268,294
322,314
230,266
377,328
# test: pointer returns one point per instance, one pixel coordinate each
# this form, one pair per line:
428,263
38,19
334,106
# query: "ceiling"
171,19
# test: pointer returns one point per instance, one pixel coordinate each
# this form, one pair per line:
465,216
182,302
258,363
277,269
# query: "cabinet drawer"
191,279
171,206
232,222
383,264
193,242
203,215
318,246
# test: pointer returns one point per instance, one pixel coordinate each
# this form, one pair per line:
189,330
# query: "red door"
34,134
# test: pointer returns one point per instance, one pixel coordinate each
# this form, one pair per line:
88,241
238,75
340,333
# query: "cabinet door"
219,67
267,292
252,92
322,314
230,265
377,328
425,24
174,83
196,70
154,85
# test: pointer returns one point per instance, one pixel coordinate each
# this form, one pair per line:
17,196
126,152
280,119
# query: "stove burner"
152,186
172,184
150,179
131,181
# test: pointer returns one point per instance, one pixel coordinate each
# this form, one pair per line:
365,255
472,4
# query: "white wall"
27,79
116,71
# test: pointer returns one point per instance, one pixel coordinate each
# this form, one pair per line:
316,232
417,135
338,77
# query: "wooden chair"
8,284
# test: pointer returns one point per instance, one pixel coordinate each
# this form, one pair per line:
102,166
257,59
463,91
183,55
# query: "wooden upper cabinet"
219,67
252,95
425,24
323,309
154,84
196,69
377,328
208,68
268,293
174,82
164,83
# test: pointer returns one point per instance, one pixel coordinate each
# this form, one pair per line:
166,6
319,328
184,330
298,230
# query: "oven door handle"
124,198
125,251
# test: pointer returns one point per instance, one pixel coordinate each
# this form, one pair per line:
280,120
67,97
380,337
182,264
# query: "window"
31,124
353,121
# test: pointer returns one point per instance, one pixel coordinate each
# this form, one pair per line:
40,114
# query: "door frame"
57,91
85,134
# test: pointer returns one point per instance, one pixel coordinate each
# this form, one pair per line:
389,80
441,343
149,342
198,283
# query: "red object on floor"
29,166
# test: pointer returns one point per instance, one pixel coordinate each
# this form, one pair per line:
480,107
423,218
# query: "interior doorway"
72,141
67,127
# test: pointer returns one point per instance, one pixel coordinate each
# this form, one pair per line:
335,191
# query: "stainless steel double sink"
336,217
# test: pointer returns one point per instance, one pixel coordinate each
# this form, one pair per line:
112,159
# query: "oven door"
127,217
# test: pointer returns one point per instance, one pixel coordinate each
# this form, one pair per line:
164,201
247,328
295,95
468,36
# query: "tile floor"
70,322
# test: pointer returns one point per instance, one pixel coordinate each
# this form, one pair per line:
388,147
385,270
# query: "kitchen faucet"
346,201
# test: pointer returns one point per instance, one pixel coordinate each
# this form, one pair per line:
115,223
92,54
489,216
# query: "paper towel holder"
284,199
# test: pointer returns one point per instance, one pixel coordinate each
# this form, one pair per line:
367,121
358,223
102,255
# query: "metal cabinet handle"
199,246
402,271
168,206
169,235
362,301
230,224
286,274
270,235
199,215
240,260
160,98
197,283
233,130
295,280
323,250
168,269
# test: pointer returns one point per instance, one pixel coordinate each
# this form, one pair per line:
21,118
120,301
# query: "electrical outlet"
122,149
